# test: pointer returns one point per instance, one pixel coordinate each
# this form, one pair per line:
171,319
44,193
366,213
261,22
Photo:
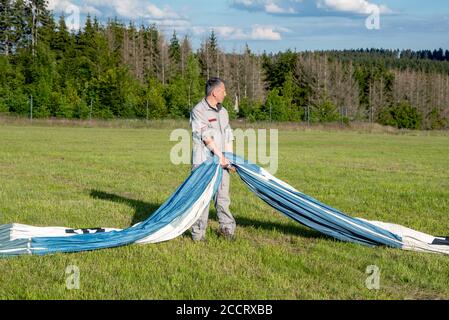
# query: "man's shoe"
200,239
227,234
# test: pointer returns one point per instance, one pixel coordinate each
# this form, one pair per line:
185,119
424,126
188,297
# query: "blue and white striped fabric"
170,220
187,203
327,220
309,211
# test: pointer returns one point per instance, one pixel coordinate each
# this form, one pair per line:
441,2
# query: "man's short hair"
212,83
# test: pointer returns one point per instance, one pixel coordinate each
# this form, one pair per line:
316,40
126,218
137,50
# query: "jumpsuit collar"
218,107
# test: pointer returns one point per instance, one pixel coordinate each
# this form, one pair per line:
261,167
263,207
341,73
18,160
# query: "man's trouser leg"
199,227
222,202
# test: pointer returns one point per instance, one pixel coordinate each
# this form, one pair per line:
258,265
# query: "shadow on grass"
296,230
143,210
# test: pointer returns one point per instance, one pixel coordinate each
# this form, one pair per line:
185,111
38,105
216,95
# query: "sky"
278,25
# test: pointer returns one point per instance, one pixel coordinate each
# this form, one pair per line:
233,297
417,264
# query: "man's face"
220,93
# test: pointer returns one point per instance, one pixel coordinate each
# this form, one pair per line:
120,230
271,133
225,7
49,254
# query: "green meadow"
81,176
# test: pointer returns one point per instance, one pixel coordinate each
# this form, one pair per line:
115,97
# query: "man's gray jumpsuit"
208,122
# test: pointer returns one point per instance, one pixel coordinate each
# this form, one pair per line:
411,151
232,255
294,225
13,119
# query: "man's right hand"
212,147
224,162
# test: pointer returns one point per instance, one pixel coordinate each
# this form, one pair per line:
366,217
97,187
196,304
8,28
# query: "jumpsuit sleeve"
200,125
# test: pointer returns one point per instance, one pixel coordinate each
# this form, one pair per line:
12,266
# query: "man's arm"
210,143
200,126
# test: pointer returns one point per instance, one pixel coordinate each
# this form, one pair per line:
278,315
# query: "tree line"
118,70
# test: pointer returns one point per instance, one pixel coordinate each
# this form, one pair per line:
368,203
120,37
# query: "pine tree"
193,81
154,102
186,50
214,53
289,94
152,52
7,41
62,39
174,55
174,51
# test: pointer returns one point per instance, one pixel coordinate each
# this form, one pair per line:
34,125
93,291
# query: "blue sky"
277,25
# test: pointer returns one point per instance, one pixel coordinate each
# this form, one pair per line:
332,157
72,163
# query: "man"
212,135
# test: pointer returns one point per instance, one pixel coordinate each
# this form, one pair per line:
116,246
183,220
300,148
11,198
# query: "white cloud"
352,6
229,32
256,32
283,29
141,9
246,2
310,7
264,33
251,5
165,13
198,30
136,9
68,7
91,10
127,9
167,23
272,7
52,4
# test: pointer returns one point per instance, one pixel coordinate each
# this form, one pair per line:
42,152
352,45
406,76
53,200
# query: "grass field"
114,177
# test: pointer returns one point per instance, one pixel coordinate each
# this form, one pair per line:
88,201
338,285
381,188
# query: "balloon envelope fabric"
185,205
